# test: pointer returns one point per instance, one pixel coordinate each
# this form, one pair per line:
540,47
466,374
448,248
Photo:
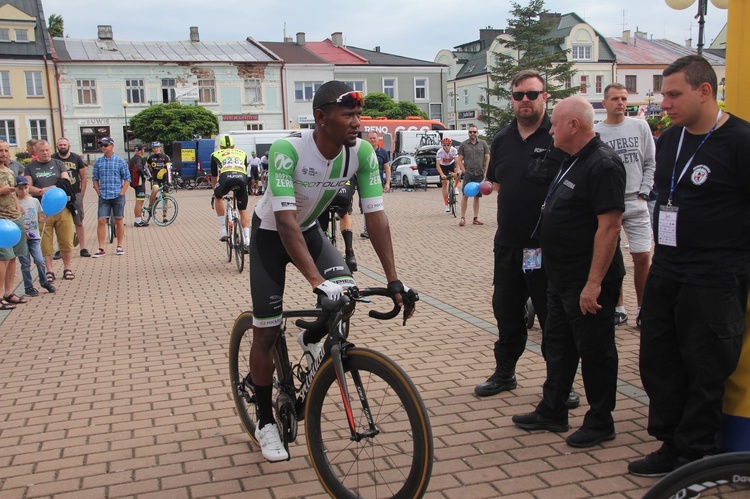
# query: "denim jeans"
35,252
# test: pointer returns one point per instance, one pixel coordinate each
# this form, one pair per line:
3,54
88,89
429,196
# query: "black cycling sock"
265,407
347,235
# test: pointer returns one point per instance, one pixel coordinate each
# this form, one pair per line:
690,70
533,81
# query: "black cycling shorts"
268,262
254,174
228,181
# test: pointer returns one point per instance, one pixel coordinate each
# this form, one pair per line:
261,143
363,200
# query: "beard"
528,116
62,152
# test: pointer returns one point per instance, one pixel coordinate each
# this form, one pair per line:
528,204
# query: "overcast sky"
412,28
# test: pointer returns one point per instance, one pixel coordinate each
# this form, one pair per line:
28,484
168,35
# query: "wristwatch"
643,196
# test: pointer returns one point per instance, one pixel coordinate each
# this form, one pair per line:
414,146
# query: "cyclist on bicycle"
254,173
159,165
446,163
342,203
229,170
306,171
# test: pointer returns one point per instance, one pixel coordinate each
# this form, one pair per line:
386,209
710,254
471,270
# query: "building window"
466,96
253,91
630,84
568,82
22,35
135,91
599,82
305,90
581,52
255,126
90,137
86,92
436,111
584,84
389,87
38,129
8,131
207,90
356,85
34,84
168,86
4,83
4,35
657,82
420,88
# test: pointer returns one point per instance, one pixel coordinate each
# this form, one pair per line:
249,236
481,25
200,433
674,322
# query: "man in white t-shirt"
631,138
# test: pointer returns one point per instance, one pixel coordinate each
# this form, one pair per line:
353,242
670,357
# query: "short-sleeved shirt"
74,164
228,160
301,179
30,210
473,155
158,164
16,167
8,206
590,183
45,174
446,158
255,163
111,173
383,159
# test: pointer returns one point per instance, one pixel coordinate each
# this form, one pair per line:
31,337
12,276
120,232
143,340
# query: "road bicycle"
368,432
164,210
723,475
452,194
234,240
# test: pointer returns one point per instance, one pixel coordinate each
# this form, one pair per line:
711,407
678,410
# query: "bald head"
572,124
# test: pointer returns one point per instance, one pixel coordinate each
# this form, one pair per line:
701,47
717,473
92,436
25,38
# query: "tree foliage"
532,47
169,122
379,105
55,25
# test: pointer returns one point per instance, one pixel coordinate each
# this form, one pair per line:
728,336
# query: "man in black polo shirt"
579,233
523,163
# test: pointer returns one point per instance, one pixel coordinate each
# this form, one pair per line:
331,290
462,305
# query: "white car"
408,166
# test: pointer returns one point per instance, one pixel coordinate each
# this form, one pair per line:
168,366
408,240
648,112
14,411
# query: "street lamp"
722,88
700,16
127,135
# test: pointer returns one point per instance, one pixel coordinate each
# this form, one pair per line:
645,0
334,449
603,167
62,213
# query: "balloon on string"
53,201
486,188
471,189
10,234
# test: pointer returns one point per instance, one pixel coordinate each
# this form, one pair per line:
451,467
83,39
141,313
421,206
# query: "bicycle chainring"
287,418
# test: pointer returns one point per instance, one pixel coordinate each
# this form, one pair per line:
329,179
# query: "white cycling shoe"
270,443
313,349
223,234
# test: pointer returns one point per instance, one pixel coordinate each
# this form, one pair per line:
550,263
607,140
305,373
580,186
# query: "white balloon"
679,4
721,4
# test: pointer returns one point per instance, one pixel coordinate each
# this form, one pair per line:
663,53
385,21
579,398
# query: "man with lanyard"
229,170
160,166
306,170
255,167
473,160
384,166
524,162
693,315
445,161
78,181
138,175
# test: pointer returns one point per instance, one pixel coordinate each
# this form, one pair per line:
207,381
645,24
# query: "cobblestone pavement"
117,386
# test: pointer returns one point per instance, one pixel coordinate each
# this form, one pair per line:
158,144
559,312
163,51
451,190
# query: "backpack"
64,184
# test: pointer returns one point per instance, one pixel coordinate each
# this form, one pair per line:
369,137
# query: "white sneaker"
223,234
246,242
313,349
270,443
447,209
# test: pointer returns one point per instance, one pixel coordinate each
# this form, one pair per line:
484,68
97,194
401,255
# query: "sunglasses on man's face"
531,94
350,99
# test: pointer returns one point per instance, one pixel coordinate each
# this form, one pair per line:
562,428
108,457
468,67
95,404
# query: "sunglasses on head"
531,94
350,99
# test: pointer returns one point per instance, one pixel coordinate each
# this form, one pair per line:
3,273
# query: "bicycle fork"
338,364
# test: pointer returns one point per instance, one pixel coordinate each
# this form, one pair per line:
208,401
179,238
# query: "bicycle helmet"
447,142
155,144
226,141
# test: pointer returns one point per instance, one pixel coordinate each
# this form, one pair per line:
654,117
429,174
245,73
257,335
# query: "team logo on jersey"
700,174
282,162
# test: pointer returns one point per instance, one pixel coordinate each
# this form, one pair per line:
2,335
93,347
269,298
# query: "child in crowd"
30,212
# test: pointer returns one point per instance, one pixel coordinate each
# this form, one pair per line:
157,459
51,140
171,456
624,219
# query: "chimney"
288,39
689,43
105,31
194,36
337,39
626,36
641,34
301,39
377,49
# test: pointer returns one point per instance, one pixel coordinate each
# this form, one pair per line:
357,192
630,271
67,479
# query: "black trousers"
691,338
571,335
512,287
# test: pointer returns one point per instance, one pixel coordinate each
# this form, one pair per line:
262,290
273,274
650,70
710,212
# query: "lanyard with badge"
532,257
668,213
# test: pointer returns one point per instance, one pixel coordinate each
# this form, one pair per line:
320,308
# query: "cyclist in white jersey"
445,161
306,170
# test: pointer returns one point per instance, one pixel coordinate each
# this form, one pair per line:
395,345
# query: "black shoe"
85,253
533,421
621,318
574,400
56,256
588,438
49,287
351,262
638,320
31,292
498,382
365,235
658,463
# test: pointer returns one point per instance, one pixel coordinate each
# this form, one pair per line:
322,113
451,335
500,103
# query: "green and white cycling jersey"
301,179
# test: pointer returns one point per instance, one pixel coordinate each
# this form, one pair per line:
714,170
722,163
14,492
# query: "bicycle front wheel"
723,475
393,458
164,211
239,248
452,198
111,228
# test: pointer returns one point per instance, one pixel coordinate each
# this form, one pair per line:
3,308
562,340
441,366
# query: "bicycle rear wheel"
228,240
164,211
395,460
111,228
237,243
724,475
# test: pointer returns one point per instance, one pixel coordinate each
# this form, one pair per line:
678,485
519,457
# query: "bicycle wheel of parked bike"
164,211
391,458
724,475
239,249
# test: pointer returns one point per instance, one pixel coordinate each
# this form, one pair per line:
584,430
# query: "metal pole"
702,11
127,134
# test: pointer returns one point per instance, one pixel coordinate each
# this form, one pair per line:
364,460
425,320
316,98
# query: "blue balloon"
10,234
53,201
471,189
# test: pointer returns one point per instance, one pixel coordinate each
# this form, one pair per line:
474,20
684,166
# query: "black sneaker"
588,438
85,253
638,320
574,400
31,292
56,256
498,382
620,318
533,421
364,235
351,262
49,287
658,463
